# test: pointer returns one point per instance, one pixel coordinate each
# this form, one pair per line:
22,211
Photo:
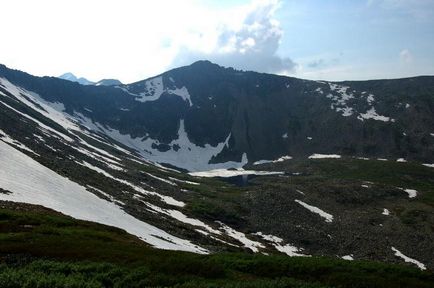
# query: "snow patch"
175,214
281,159
184,181
161,179
324,156
408,259
385,212
328,217
411,192
277,243
154,88
231,173
348,257
241,237
372,114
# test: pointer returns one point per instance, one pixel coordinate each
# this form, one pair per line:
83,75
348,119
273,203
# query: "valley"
341,177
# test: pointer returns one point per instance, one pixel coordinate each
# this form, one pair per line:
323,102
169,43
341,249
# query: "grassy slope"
42,248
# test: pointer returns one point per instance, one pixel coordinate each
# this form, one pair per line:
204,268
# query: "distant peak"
71,77
68,76
204,63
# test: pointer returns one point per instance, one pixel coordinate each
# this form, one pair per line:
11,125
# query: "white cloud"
405,56
134,39
249,40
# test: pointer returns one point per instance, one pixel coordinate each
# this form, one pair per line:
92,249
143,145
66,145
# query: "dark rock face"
266,116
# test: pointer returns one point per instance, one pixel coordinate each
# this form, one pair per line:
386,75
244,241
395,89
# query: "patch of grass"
41,248
396,174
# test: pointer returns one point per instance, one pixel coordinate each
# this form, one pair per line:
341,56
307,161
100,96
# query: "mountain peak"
71,77
108,82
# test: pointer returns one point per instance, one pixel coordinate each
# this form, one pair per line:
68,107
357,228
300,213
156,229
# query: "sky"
131,40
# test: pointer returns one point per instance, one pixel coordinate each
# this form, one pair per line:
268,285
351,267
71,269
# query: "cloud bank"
251,43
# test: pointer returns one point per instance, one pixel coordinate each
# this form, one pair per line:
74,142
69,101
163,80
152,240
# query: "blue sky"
359,39
135,39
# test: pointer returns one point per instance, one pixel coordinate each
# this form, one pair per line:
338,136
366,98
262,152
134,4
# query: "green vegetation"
387,173
42,248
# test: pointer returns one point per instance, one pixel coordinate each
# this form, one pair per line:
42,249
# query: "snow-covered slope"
30,182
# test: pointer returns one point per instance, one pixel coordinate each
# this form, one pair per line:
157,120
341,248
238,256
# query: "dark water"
240,181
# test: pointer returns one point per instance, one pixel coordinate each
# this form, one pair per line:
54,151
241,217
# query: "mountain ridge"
231,103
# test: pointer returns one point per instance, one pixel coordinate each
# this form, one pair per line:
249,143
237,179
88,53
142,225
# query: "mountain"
252,116
317,162
108,82
83,81
71,77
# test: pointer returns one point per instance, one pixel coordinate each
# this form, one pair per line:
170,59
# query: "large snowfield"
33,183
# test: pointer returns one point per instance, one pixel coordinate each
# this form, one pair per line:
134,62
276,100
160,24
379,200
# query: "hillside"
325,173
42,248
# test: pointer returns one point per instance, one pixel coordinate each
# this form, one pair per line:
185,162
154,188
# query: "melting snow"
189,155
184,181
429,165
324,156
154,88
167,199
325,215
281,159
30,182
401,160
372,114
42,125
298,191
284,136
339,103
161,179
362,158
183,93
232,173
348,257
241,237
7,139
341,96
386,212
277,243
183,218
411,192
408,259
